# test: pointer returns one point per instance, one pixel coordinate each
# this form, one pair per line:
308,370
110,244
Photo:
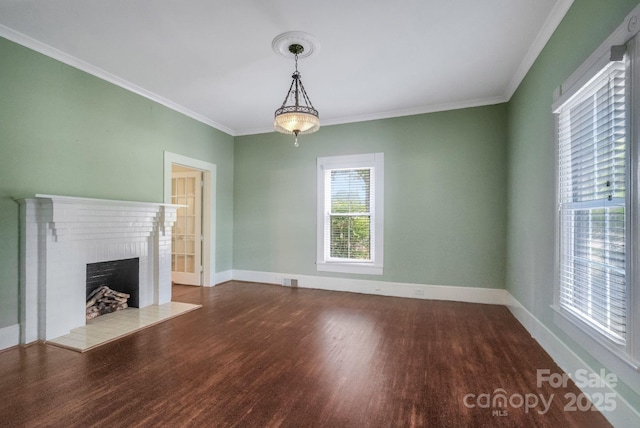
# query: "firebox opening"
121,276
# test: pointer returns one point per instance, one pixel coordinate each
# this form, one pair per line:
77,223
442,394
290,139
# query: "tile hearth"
109,327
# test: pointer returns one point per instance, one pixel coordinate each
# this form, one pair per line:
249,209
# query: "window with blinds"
592,196
351,213
349,218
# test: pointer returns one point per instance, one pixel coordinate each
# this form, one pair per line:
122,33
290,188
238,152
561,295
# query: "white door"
186,239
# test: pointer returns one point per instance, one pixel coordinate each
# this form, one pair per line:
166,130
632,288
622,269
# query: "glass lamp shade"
301,121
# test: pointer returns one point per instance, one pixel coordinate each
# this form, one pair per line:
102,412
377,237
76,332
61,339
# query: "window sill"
357,268
607,353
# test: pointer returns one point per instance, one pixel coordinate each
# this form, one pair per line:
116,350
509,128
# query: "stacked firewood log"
104,300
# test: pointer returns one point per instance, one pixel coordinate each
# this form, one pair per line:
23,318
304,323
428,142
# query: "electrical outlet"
289,282
419,292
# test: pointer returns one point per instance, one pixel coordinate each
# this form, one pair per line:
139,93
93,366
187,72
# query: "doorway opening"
192,183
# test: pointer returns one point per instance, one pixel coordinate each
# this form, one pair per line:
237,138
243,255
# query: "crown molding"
434,108
548,28
74,62
550,25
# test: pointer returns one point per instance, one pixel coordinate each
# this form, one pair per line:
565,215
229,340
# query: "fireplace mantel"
60,235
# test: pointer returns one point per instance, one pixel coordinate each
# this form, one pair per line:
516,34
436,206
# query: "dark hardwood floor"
264,356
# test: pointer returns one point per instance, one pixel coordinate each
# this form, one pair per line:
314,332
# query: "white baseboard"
394,289
624,414
9,336
224,276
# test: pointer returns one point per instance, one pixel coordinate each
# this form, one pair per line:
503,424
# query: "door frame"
208,208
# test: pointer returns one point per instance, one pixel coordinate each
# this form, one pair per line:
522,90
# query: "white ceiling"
212,59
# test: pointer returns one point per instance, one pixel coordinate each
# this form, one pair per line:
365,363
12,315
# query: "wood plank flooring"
260,355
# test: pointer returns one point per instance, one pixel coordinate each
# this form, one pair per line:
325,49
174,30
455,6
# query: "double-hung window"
592,203
350,213
596,203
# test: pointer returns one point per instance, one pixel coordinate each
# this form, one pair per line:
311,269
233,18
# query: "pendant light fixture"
296,115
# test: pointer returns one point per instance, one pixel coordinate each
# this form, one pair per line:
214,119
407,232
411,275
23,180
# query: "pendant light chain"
296,78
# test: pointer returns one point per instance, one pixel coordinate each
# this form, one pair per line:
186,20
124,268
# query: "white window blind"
593,203
349,198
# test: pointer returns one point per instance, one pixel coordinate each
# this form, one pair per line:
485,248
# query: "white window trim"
371,160
607,351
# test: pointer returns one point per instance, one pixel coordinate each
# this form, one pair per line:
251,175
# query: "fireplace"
60,236
117,277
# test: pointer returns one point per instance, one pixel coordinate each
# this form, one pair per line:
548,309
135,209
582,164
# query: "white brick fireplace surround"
60,235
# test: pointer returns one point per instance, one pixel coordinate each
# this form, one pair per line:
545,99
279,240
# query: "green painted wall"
445,192
531,216
65,132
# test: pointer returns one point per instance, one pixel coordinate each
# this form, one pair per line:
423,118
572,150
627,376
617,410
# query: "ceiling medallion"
308,42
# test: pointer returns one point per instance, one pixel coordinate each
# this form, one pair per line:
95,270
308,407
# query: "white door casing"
208,208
